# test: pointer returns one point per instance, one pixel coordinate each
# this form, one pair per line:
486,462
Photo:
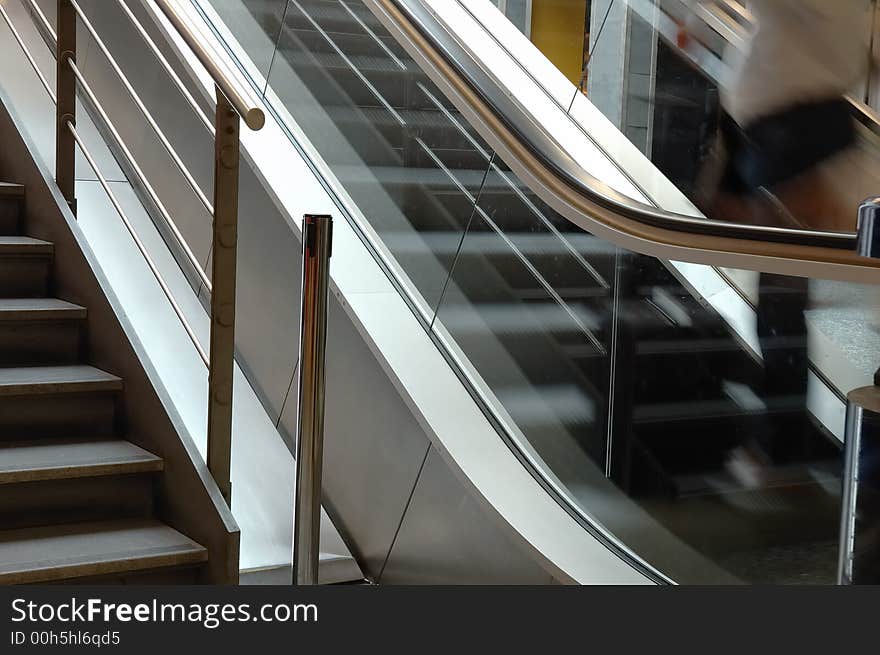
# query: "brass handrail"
27,53
139,103
138,242
167,67
233,104
593,205
235,93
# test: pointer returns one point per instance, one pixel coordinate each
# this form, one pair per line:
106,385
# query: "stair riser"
183,575
9,217
69,415
24,277
31,504
31,343
332,19
350,38
393,135
396,87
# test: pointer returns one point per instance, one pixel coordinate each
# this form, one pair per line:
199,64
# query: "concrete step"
33,380
53,401
80,550
25,266
11,191
36,331
58,459
332,569
11,199
39,309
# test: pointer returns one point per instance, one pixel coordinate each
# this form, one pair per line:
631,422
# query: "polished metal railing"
859,549
317,248
233,104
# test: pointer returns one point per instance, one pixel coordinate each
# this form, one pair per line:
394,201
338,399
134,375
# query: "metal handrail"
590,203
51,36
236,93
143,108
142,179
102,180
35,8
27,53
169,69
232,106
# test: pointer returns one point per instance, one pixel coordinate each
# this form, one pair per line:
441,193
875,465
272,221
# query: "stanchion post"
317,247
859,553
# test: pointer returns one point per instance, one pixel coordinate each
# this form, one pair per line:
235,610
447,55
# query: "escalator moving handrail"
599,201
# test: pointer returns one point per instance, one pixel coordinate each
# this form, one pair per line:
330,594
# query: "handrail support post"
223,270
65,110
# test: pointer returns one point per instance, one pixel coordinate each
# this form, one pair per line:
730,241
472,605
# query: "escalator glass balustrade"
696,433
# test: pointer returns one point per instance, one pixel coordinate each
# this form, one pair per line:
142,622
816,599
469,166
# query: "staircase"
78,500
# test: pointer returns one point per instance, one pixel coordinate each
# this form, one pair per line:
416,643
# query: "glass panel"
721,459
528,305
695,413
403,154
715,435
518,12
256,25
745,137
545,360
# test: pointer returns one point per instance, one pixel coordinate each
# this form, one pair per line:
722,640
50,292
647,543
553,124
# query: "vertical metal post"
317,248
65,110
868,241
859,554
223,272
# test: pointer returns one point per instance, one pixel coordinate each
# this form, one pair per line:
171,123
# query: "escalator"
604,359
545,365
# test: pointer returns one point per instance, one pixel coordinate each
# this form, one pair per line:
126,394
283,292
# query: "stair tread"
56,379
11,245
11,190
711,408
787,475
12,309
54,459
74,550
374,63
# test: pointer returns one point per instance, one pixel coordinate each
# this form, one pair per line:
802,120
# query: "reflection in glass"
256,25
689,440
410,163
683,408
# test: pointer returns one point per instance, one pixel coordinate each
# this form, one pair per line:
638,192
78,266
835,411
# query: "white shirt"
798,51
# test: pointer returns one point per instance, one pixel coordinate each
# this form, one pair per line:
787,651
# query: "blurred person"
786,122
788,158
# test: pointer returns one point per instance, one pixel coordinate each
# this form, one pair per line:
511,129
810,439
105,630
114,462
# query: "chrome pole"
317,247
859,550
859,554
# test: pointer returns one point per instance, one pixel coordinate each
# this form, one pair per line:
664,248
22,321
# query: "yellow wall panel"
558,31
